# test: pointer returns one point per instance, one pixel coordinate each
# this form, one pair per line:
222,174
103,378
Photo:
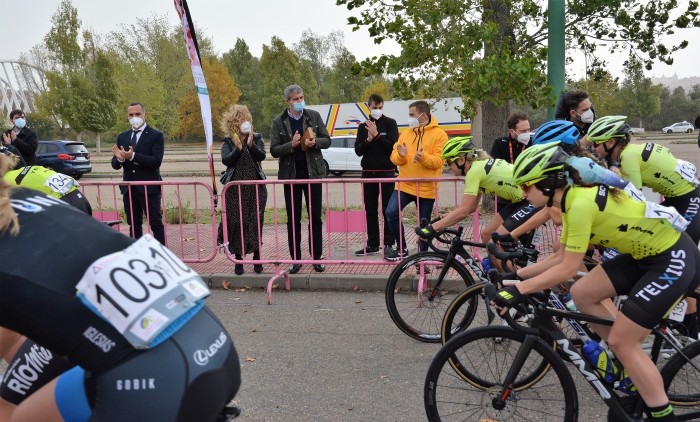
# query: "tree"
378,85
222,93
245,70
641,98
320,53
341,84
495,51
279,68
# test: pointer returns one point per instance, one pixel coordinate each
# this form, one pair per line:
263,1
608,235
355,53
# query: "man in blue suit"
139,151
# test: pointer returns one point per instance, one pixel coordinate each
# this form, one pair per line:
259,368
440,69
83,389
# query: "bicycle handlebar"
503,255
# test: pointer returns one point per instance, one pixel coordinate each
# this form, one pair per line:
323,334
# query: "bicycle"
420,288
519,372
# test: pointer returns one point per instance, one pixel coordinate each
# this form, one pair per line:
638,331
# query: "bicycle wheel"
420,316
682,380
462,312
448,397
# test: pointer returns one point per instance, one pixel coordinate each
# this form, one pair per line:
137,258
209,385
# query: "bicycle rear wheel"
682,381
448,397
420,316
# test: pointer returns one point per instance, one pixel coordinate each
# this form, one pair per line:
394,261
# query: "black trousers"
371,193
292,200
141,203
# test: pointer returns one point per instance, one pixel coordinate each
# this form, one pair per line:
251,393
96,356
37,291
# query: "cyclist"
656,269
654,166
482,174
51,183
128,312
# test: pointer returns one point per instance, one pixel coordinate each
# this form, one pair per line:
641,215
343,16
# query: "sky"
256,21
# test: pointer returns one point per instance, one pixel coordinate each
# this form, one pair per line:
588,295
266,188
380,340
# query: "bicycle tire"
682,380
422,319
447,396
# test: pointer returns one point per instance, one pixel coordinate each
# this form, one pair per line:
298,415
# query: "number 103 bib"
142,290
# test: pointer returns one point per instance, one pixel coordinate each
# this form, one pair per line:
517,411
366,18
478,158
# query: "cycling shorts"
190,376
655,284
516,214
688,206
31,368
78,200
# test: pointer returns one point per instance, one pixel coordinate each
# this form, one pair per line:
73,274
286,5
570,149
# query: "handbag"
226,175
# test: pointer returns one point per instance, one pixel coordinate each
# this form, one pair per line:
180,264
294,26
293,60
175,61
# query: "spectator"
417,153
21,137
510,146
576,107
300,158
374,142
139,151
242,150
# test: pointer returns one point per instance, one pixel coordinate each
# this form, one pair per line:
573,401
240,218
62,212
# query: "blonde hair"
8,217
480,154
232,119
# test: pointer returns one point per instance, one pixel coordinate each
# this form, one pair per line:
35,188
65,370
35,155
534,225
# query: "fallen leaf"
275,286
242,289
225,284
358,301
188,239
355,288
249,359
383,377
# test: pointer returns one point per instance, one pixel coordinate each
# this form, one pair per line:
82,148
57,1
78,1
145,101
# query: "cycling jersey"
493,177
595,216
42,179
38,284
654,166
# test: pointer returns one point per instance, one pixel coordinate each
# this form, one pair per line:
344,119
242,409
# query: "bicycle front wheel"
682,381
417,297
489,352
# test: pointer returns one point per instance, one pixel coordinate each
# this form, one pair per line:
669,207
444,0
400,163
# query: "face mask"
299,107
20,123
524,138
587,116
413,122
245,127
136,122
376,113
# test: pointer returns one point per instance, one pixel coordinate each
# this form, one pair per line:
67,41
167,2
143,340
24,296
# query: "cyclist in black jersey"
128,312
656,268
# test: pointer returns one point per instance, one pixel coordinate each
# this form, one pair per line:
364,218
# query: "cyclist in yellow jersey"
51,183
656,270
482,174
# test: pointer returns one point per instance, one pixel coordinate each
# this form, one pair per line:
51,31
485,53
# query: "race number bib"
60,183
678,312
141,290
655,210
688,171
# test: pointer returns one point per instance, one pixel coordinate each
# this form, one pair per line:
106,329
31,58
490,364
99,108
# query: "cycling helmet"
539,162
557,130
608,127
458,147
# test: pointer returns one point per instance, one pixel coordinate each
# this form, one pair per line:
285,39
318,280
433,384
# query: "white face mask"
376,113
136,122
587,116
413,122
246,127
524,138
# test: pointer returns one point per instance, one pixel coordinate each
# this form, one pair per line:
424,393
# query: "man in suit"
139,151
21,137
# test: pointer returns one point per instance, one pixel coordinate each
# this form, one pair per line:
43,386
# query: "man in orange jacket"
417,154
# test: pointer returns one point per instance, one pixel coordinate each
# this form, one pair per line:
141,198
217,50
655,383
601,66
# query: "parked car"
636,130
67,157
679,127
341,157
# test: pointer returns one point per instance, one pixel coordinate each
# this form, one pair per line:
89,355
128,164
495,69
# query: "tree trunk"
79,137
493,121
97,142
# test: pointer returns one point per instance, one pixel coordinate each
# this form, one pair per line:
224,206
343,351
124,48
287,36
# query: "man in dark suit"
140,152
21,137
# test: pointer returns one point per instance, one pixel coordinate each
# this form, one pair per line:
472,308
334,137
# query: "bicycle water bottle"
625,385
599,358
569,302
486,264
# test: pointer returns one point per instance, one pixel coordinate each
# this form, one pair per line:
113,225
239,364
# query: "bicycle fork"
423,282
507,391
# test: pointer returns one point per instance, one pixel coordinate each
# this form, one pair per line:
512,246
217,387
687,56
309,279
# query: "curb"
297,281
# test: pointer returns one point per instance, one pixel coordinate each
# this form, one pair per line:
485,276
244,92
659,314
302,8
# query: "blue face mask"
299,107
20,123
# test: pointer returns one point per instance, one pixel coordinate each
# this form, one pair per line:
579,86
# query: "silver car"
341,157
680,127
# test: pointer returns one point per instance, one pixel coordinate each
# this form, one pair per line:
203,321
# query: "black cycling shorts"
78,200
688,206
516,214
31,368
654,285
191,376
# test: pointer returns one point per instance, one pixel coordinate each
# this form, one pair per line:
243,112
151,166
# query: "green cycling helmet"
605,128
539,162
458,147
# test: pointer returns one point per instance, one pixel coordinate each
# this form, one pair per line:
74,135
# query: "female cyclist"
656,270
654,166
481,174
128,312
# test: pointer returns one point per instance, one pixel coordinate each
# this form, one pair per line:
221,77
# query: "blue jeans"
401,199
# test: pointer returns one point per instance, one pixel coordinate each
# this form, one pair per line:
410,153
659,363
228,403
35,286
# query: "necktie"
133,138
